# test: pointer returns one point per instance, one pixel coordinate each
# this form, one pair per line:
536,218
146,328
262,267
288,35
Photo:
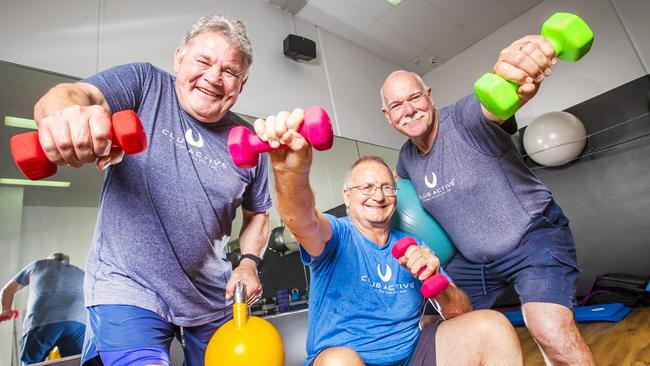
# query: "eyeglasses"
370,189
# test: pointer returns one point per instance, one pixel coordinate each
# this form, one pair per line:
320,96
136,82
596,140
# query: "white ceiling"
417,35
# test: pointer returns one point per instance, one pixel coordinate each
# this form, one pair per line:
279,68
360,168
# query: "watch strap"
253,257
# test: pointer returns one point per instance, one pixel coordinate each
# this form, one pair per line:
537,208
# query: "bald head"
397,76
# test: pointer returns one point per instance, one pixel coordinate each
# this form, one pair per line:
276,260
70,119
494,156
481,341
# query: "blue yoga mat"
602,312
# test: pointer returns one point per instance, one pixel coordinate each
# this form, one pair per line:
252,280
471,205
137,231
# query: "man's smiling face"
210,74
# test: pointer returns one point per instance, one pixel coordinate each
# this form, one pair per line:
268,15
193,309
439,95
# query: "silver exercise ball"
555,138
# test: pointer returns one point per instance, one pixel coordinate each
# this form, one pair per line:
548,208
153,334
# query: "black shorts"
425,350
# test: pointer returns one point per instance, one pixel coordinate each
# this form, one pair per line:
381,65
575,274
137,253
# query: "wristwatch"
253,257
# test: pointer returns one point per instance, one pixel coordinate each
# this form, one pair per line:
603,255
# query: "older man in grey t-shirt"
502,219
157,268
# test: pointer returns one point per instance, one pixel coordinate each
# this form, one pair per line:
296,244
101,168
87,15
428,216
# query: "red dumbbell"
128,134
433,285
244,146
13,315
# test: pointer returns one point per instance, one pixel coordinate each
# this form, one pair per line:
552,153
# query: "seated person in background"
56,315
364,306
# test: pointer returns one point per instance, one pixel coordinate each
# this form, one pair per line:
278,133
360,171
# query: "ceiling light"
394,2
36,183
20,122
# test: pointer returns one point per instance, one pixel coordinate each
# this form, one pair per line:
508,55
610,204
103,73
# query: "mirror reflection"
55,315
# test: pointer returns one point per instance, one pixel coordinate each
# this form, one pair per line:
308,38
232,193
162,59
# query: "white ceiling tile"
489,20
335,12
418,21
374,8
378,48
382,40
520,6
452,44
461,11
414,32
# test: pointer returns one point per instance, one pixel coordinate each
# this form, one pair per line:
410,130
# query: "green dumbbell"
571,39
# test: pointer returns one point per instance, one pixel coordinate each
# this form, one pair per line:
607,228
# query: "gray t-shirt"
166,214
55,293
474,182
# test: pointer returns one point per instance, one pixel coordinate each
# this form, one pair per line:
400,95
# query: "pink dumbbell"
244,146
14,314
433,285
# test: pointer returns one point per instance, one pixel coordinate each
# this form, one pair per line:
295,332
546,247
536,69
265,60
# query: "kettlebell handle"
240,293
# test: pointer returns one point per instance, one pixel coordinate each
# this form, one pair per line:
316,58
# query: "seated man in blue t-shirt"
364,306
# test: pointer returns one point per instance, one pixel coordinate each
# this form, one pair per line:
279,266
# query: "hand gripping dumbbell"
14,314
571,38
433,285
128,134
244,146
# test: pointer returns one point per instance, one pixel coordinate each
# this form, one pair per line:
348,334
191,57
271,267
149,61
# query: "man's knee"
336,356
492,323
549,323
487,327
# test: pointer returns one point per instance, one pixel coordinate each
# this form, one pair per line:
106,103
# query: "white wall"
355,77
81,37
611,62
34,232
634,16
46,230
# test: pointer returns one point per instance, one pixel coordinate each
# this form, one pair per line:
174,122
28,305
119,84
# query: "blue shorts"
543,268
129,335
68,336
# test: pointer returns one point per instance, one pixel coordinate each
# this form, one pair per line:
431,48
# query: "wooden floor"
626,343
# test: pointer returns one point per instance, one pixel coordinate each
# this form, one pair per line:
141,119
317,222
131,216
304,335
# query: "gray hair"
416,76
233,30
365,159
61,257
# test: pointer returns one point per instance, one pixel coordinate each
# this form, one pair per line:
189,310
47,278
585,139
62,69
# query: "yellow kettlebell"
55,354
245,340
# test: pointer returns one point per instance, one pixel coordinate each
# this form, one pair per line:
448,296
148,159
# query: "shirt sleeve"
257,197
123,85
338,236
400,168
23,276
477,131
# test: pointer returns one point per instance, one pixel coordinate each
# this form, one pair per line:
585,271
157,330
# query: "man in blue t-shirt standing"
55,314
365,305
502,219
157,268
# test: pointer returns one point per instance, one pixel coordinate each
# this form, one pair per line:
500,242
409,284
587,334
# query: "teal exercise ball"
414,220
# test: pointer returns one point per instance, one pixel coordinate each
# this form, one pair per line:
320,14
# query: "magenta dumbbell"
244,146
433,285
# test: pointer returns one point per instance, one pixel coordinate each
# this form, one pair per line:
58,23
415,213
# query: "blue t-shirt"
360,297
166,214
475,183
55,293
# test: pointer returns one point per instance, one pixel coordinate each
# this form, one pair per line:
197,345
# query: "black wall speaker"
299,48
